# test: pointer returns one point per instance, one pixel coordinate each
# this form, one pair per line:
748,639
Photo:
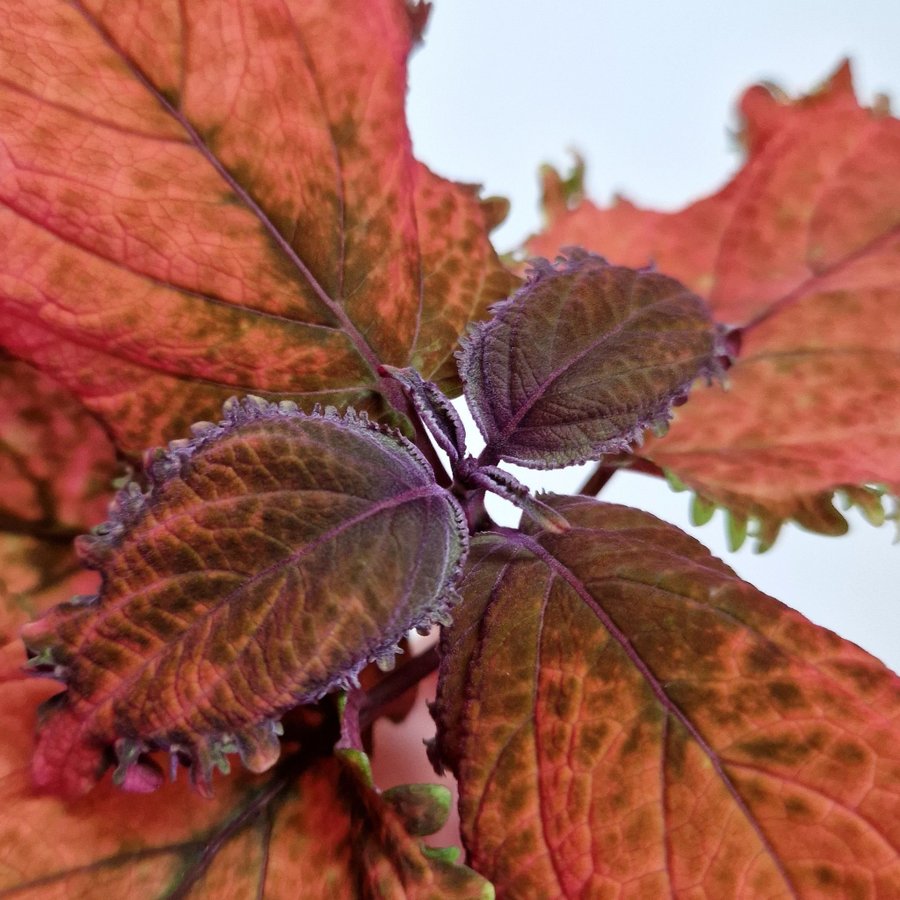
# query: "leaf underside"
582,359
624,713
802,250
274,555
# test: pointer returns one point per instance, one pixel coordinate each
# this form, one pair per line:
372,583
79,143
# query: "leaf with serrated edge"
219,197
274,556
802,249
581,360
311,828
631,716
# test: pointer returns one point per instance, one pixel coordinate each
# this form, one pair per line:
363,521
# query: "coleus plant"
216,238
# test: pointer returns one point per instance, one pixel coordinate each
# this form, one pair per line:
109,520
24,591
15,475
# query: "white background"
646,92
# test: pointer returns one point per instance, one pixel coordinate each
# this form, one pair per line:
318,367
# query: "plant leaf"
437,412
628,715
56,473
274,555
219,197
423,808
802,250
507,486
581,360
311,828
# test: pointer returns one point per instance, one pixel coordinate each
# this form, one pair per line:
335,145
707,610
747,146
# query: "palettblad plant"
219,200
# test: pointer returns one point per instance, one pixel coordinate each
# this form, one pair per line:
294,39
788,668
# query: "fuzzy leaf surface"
582,359
274,555
56,473
802,250
203,199
625,715
312,828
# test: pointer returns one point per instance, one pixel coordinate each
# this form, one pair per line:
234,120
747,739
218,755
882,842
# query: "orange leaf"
314,829
802,250
217,197
56,471
629,716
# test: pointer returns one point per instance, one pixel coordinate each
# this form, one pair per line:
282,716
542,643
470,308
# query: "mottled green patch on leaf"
582,359
620,666
423,808
274,555
788,696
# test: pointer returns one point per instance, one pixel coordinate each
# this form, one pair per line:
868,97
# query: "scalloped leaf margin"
274,555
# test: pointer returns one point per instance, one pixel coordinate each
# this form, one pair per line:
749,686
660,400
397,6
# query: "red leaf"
56,471
629,716
220,197
274,555
314,828
801,250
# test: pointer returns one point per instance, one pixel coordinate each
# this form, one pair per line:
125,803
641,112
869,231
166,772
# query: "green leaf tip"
424,808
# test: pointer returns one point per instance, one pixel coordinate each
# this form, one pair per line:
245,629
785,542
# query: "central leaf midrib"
122,686
553,376
562,571
333,306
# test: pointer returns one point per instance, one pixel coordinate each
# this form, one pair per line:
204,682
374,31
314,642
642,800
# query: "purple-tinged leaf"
436,410
507,486
582,359
274,555
628,718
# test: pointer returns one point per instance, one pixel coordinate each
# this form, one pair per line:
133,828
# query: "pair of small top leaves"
276,553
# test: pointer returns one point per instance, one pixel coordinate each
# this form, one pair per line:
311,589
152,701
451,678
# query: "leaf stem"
423,442
605,471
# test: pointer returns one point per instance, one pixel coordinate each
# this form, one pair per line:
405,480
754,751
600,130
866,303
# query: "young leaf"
800,249
274,556
437,412
581,360
56,473
222,198
507,486
629,715
312,828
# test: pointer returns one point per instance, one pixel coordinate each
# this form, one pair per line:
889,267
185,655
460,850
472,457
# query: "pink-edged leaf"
273,556
582,359
218,197
626,716
802,250
314,828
